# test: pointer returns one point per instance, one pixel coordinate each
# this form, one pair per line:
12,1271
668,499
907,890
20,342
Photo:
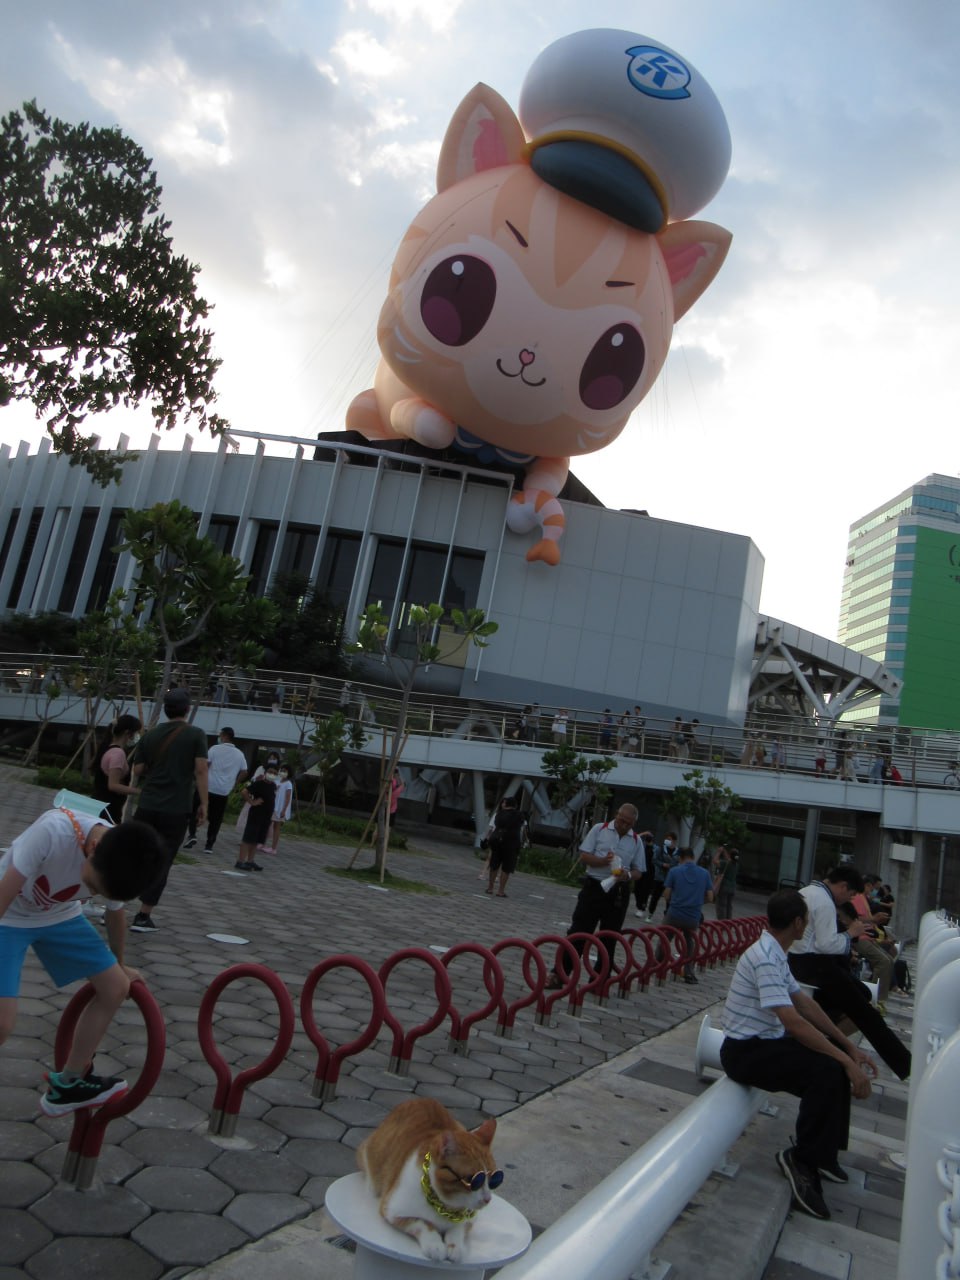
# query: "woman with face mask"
664,857
111,774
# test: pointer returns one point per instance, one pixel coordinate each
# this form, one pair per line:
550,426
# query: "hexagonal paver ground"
166,1194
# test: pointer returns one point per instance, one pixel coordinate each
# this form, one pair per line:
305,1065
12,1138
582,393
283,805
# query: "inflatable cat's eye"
532,301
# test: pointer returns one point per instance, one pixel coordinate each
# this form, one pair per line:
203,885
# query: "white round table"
499,1234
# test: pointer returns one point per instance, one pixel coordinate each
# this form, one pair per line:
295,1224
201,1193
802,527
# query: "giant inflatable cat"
532,301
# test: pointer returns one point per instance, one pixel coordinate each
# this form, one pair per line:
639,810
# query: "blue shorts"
68,951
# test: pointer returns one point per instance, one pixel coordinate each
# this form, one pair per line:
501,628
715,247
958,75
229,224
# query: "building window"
338,567
8,537
262,555
25,553
299,548
222,532
422,583
78,559
107,562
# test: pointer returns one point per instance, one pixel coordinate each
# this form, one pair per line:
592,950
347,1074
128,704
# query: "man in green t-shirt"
171,763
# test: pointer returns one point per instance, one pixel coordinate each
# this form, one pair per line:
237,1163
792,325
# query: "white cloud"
364,55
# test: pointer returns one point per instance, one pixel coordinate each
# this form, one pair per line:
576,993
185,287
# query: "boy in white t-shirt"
49,870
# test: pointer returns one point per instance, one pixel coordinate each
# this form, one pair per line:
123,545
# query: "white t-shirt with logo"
49,855
225,763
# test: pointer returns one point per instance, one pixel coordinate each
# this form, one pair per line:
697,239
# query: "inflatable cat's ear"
483,134
694,253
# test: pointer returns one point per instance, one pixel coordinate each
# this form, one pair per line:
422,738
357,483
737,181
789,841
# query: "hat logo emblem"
657,73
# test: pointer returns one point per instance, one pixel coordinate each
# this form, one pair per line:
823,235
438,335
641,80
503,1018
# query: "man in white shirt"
778,1038
227,766
607,848
821,959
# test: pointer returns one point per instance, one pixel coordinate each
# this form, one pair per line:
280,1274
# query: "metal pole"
636,1205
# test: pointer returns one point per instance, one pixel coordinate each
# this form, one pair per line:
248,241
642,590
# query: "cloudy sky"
295,139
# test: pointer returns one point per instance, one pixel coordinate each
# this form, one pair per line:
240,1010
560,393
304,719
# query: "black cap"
176,702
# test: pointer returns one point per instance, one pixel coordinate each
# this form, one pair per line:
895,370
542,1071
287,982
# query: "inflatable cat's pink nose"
625,124
526,357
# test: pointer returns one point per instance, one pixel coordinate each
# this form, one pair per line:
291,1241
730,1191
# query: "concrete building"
640,612
901,602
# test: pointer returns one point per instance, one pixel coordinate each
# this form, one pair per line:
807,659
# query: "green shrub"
55,777
551,864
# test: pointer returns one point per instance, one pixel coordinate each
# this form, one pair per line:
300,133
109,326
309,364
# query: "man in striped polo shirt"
778,1038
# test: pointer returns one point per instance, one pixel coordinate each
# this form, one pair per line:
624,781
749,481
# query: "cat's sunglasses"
476,1181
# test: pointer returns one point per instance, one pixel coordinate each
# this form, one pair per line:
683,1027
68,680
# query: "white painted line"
232,938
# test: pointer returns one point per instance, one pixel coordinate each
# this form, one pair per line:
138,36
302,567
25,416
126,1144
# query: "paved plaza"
168,1198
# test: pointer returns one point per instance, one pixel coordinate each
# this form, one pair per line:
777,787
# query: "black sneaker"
254,866
833,1172
206,850
690,980
804,1183
243,866
90,1091
188,844
142,923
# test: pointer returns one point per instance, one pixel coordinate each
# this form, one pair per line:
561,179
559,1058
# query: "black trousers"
171,828
838,991
216,808
642,890
595,910
821,1084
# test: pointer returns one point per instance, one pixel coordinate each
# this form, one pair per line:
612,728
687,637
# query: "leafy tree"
331,736
576,775
309,633
38,633
422,622
195,593
55,698
95,308
118,655
709,807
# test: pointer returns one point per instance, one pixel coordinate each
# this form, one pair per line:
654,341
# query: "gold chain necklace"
434,1201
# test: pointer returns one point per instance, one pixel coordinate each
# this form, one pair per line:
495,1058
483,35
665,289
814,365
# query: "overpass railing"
922,757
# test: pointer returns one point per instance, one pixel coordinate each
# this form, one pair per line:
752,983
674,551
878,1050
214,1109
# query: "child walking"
281,810
47,873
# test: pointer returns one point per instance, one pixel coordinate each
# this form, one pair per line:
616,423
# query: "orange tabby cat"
432,1176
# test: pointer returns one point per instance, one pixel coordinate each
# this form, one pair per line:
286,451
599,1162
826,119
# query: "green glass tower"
901,601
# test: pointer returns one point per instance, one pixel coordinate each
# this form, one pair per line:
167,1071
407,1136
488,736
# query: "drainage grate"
342,1242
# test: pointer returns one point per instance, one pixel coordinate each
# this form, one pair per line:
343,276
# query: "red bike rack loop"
709,943
509,1011
402,1050
228,1097
329,1060
460,1027
643,972
595,976
619,975
89,1125
726,935
670,958
568,980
